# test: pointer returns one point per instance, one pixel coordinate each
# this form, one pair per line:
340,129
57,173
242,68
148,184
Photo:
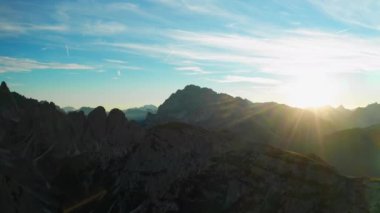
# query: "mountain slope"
53,162
354,151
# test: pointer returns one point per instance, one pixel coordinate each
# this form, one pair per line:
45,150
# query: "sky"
130,53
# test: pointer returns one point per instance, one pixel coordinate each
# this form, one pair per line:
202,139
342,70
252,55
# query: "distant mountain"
139,113
366,116
277,124
68,109
340,116
58,162
354,151
86,110
359,117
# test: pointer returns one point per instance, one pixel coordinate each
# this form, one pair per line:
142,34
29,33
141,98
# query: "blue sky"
130,53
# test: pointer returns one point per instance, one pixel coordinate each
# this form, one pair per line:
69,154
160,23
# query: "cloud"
115,61
10,27
295,52
103,28
361,13
119,65
133,68
193,6
103,18
243,79
9,64
192,70
203,7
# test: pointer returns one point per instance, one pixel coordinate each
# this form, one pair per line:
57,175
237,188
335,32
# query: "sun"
313,91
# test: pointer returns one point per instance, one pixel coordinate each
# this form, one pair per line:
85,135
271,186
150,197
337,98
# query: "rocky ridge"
57,162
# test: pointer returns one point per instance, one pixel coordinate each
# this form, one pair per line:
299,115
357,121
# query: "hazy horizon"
122,54
108,108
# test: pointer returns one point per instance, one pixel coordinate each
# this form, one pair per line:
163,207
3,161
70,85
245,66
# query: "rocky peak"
8,106
98,112
191,98
193,89
115,118
97,122
4,88
199,106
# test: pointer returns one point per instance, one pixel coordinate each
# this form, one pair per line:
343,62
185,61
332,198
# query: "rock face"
53,162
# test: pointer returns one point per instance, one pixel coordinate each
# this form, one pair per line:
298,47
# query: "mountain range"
201,152
137,113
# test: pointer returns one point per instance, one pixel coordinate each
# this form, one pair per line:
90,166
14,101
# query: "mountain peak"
196,90
4,88
191,87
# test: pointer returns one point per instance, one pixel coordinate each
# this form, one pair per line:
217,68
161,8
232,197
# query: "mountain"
86,110
366,116
68,109
280,125
354,151
340,117
357,118
51,161
139,113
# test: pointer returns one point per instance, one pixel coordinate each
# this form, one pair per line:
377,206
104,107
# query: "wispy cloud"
192,70
287,53
9,64
244,79
115,61
204,7
119,65
361,13
103,28
11,27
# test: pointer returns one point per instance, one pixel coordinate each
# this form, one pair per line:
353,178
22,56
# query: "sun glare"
313,91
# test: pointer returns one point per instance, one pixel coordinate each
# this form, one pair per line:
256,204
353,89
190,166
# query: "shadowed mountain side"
354,151
280,125
54,162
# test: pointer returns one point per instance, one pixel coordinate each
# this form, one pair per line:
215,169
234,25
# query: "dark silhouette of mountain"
139,113
136,114
354,151
51,161
281,125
